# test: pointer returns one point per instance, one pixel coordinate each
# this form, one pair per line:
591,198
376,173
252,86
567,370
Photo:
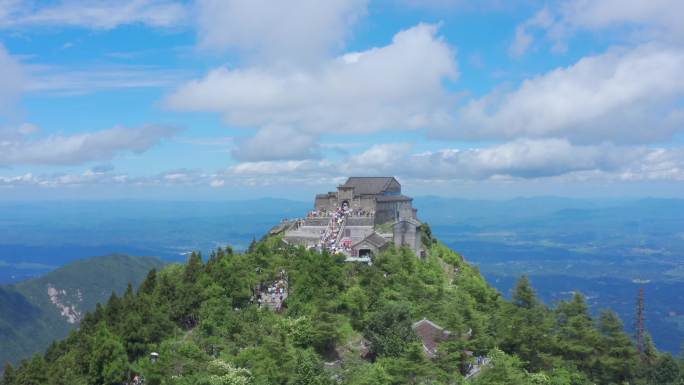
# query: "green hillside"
30,319
340,323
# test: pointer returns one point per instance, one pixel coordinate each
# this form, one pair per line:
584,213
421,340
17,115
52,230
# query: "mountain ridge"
37,311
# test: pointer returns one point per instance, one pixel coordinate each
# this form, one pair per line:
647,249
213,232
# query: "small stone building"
369,246
431,335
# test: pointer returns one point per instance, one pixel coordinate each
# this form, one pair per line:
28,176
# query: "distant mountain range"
35,312
605,248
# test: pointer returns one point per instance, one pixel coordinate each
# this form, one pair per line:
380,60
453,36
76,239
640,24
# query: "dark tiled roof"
369,185
393,198
431,334
412,221
374,239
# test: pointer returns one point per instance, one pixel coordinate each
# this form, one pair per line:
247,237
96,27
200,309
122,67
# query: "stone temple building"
360,219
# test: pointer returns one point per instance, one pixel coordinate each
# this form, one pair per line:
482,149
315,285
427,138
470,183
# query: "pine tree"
150,282
190,295
114,311
529,326
577,336
8,375
617,357
252,245
524,295
667,371
108,364
193,269
33,372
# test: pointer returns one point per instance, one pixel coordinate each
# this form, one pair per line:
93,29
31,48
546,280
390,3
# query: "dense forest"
342,323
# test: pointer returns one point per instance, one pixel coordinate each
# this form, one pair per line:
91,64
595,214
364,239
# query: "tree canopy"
342,323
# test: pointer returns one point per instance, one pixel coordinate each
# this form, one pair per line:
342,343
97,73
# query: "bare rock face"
61,300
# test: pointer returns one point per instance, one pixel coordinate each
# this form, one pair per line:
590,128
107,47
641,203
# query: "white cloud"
520,159
467,5
399,86
523,38
635,20
274,30
94,14
622,96
379,159
216,183
79,148
74,80
304,168
277,143
11,81
655,18
94,176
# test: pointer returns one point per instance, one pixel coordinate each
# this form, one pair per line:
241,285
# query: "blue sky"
209,99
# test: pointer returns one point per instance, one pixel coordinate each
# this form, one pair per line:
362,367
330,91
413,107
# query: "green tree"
356,302
150,283
223,373
34,372
503,369
309,370
577,338
389,330
8,374
668,371
108,363
527,328
617,356
368,374
524,295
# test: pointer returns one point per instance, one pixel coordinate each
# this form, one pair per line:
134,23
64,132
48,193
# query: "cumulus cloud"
622,96
94,14
273,30
527,159
277,143
379,159
79,148
639,20
399,86
520,159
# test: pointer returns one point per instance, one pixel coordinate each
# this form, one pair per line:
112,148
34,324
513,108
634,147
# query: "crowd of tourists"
272,295
325,213
330,239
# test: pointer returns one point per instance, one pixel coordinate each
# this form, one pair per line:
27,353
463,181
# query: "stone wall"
391,211
325,202
406,233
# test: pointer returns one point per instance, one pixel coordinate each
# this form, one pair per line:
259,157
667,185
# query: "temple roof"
369,185
374,239
431,334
